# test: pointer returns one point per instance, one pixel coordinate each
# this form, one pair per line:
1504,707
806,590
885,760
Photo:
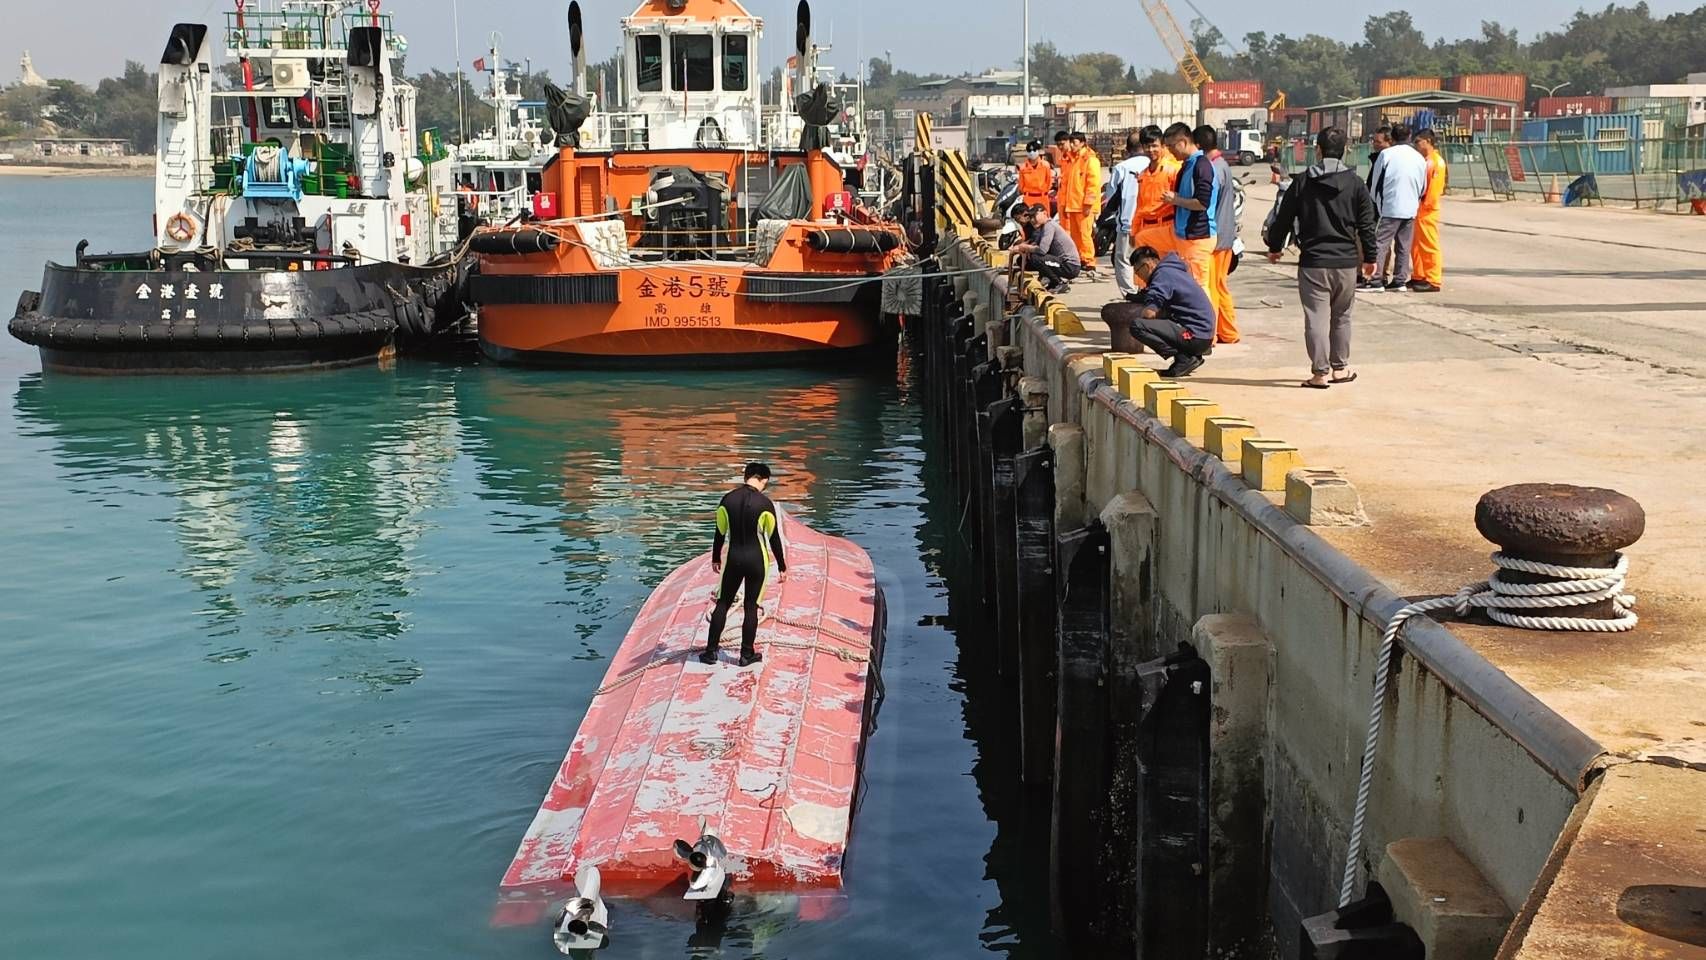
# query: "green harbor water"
287,662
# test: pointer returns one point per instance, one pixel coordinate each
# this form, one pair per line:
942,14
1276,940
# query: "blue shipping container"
1596,143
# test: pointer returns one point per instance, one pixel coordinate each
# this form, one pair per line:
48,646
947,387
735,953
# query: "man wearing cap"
1036,177
1049,252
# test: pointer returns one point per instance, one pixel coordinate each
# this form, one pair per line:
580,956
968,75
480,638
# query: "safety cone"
1552,195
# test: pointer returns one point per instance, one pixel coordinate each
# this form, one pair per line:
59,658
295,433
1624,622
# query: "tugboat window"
649,58
692,62
734,62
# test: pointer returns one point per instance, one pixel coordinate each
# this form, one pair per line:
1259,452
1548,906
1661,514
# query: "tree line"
1609,47
1613,46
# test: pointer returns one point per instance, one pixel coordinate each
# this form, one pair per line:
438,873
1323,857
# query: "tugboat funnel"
585,921
577,48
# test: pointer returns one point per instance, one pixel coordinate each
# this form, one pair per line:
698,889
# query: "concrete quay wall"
1468,758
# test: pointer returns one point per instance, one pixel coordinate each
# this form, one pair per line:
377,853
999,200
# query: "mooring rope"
1572,587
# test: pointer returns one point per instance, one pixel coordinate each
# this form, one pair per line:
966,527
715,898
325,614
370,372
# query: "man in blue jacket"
1175,317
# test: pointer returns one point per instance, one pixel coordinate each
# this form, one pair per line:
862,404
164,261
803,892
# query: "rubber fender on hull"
852,240
513,242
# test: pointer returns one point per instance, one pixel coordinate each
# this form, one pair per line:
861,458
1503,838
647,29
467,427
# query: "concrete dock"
1567,346
1537,794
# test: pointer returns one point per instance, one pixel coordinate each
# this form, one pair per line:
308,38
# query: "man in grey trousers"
1400,178
1329,210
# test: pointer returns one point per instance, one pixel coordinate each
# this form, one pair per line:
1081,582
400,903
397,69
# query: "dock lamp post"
1025,111
1551,91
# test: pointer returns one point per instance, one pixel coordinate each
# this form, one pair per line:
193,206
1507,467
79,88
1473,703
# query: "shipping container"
1573,106
1387,86
1233,93
1499,86
1607,143
1165,109
1481,119
1234,118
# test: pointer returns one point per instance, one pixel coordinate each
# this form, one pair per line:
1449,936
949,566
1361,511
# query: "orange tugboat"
678,234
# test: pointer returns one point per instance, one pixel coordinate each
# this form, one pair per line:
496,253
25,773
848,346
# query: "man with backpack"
1330,212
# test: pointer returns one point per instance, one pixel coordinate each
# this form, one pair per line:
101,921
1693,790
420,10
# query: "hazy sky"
89,39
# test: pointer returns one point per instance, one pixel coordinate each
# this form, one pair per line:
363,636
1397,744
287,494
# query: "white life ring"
181,228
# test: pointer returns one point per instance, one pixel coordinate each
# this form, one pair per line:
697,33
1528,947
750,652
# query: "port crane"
1179,46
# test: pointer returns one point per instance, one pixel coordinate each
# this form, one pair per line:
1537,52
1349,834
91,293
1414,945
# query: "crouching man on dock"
747,521
1049,251
1174,318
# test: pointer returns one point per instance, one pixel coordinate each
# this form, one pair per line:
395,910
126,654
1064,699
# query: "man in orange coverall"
1036,176
1428,264
1081,198
1061,154
1152,223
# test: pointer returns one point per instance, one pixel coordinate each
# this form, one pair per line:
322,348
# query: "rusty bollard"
1564,525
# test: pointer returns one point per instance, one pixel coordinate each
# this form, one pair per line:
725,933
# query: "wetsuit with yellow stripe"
747,522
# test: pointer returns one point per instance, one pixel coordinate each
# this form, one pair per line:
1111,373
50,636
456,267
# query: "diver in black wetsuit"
747,520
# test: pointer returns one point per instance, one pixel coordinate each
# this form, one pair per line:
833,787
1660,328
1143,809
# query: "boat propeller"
585,920
705,859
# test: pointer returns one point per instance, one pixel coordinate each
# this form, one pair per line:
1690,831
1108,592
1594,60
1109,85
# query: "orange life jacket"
1035,179
1156,179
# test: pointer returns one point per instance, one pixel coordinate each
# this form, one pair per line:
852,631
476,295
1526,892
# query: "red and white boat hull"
767,755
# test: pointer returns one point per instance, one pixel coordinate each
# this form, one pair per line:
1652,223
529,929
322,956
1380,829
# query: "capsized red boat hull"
768,755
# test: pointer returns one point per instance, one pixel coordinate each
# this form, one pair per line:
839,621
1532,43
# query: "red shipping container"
1387,86
1233,93
1499,86
1574,106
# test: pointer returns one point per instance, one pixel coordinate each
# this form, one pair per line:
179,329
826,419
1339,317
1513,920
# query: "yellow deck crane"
1179,46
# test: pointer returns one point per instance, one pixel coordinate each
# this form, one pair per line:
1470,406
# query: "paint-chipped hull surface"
769,755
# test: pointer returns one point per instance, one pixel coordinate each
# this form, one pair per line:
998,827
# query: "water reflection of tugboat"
685,232
296,220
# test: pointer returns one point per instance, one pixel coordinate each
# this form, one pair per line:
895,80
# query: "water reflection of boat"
294,515
630,456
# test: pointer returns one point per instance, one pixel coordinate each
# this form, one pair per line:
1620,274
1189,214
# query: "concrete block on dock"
1265,463
1064,321
1240,661
1189,416
1224,437
1067,442
1439,894
1133,378
1158,397
1323,497
1113,364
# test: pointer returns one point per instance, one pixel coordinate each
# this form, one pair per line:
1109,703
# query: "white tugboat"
297,218
497,170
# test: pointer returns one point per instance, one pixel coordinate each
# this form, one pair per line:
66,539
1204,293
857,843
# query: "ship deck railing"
301,31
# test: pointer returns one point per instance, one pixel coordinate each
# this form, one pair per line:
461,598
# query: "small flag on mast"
480,65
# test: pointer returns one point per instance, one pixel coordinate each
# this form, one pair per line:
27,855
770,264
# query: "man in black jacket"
1329,210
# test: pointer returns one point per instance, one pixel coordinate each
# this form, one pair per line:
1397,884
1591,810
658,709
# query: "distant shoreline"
50,170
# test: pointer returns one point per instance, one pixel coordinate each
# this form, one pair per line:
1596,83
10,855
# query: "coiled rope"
1572,587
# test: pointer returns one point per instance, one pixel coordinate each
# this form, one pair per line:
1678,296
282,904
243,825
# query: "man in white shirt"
1400,177
1123,181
